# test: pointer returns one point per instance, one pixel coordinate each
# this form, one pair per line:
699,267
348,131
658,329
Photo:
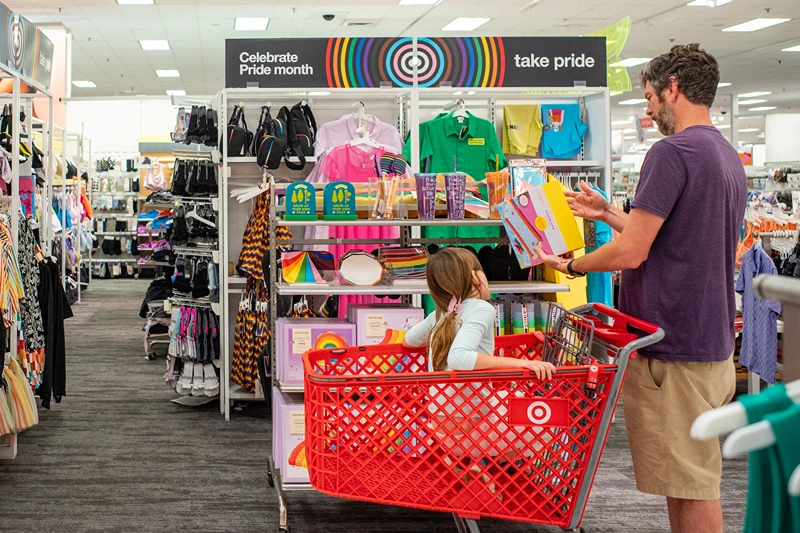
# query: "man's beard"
665,120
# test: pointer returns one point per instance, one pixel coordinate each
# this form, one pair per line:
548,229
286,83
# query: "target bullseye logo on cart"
538,412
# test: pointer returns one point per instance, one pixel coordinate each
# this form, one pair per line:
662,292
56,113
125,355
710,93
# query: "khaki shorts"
661,401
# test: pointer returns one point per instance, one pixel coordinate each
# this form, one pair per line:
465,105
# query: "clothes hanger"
731,417
364,139
193,215
243,194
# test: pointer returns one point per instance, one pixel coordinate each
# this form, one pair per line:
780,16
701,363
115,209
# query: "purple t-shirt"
695,181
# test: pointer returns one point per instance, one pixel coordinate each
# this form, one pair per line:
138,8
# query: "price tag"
374,325
297,423
301,340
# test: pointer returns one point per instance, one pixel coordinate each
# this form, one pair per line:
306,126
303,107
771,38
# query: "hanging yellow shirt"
522,130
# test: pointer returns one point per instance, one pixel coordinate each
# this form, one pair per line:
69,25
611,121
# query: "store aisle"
117,455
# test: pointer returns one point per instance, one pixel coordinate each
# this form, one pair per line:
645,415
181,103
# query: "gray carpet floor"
117,455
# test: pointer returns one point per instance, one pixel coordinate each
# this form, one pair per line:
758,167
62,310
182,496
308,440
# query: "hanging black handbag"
179,177
270,140
239,139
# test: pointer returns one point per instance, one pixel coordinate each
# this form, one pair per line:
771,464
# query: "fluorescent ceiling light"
763,108
615,93
418,2
724,84
629,137
319,93
620,122
748,130
84,84
792,49
168,74
708,3
629,130
251,23
466,24
723,126
632,62
634,101
135,2
154,45
176,92
754,94
458,93
756,24
754,101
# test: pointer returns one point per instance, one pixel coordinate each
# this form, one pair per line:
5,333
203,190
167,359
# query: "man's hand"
554,261
589,204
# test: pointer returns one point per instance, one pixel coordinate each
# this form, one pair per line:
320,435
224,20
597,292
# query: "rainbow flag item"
305,267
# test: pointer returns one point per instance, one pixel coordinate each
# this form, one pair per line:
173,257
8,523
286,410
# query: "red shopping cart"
381,427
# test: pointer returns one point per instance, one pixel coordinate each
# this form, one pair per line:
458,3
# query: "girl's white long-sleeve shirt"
475,334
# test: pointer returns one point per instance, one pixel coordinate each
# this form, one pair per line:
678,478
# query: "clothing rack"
787,291
190,302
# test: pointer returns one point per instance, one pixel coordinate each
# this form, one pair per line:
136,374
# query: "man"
677,250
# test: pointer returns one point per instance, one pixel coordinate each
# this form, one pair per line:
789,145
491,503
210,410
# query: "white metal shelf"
309,159
571,163
416,287
290,388
467,222
115,193
236,392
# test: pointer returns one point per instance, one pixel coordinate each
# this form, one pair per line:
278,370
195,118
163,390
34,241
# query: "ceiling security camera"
724,112
328,17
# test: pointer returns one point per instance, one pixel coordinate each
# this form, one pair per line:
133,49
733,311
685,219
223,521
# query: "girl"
460,334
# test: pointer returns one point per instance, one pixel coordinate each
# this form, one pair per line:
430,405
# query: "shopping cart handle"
621,319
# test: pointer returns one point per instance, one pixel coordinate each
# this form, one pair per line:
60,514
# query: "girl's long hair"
449,274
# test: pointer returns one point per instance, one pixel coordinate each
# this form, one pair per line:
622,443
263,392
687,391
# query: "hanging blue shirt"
599,287
562,135
759,351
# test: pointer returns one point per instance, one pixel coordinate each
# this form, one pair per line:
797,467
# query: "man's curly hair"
696,70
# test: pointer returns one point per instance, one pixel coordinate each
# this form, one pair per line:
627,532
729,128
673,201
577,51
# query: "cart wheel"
285,529
151,356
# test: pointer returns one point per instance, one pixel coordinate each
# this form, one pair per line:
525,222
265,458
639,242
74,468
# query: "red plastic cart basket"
381,428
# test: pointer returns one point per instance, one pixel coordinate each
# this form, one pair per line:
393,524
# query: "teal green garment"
786,426
763,513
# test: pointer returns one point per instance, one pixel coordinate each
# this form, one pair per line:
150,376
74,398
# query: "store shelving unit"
405,108
19,101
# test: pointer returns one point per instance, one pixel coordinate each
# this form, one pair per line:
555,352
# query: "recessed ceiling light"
754,94
251,23
466,24
629,137
176,92
620,122
418,2
168,74
632,62
84,84
135,2
724,84
154,45
633,101
319,93
763,108
723,126
792,49
756,24
748,130
754,101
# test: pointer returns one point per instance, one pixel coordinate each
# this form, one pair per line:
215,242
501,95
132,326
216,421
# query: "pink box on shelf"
383,323
288,436
295,336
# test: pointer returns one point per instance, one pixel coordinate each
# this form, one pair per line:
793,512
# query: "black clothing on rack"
55,309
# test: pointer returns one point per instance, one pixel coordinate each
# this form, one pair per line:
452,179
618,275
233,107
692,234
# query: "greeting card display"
301,201
541,217
339,201
289,436
383,323
295,336
305,267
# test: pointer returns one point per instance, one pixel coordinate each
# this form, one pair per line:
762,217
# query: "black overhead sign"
361,62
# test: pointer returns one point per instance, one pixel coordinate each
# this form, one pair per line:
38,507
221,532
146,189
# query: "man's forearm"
610,257
616,218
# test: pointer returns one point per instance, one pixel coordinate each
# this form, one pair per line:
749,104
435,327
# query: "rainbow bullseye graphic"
459,61
329,340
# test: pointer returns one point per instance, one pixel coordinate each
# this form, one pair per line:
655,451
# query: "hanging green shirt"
786,426
764,511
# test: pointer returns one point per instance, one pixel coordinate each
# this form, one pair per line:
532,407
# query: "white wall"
783,137
115,125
